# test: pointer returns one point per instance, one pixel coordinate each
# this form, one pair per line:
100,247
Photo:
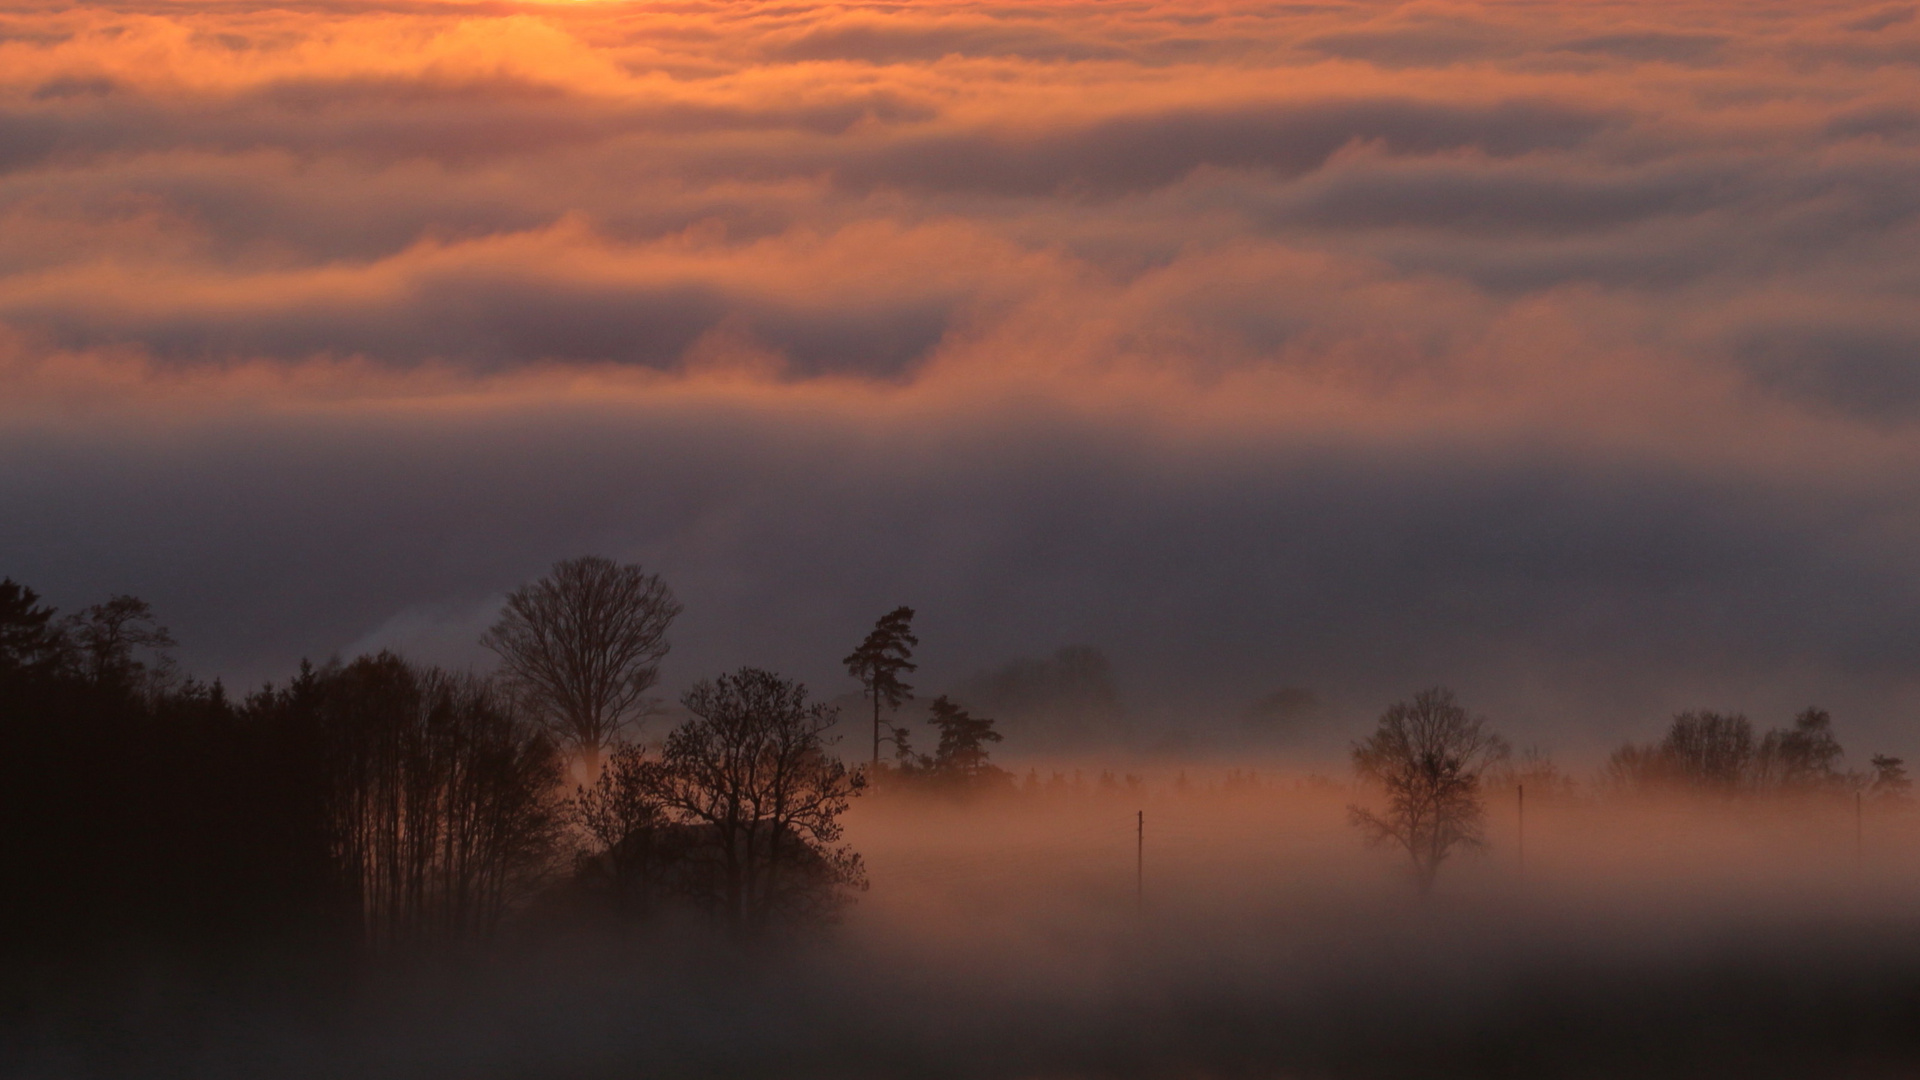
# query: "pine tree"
878,662
962,753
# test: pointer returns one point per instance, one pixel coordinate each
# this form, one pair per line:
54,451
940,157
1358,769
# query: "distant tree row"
137,806
1432,761
1718,752
375,804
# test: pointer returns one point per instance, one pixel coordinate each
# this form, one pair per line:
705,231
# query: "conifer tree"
962,753
878,662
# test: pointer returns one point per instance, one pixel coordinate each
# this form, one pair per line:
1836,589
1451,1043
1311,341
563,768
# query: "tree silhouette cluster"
138,807
437,800
959,762
1718,752
369,808
378,808
1433,761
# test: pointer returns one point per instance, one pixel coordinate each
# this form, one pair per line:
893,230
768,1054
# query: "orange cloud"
1319,263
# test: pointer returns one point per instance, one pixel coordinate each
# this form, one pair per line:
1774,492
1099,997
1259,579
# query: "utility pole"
1140,859
1859,828
1520,845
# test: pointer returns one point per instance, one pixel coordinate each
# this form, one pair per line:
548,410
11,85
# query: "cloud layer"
1566,352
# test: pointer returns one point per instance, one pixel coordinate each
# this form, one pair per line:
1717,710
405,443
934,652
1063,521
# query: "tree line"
394,808
1432,761
378,807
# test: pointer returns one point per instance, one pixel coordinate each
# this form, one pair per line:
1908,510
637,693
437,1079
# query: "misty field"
942,540
1004,936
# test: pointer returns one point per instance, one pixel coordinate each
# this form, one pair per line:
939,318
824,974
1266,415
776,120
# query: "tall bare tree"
583,646
1428,754
878,662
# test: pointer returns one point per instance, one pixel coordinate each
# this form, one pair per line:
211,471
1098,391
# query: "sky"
1563,353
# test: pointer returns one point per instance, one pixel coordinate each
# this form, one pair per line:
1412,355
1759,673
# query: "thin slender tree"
878,662
583,646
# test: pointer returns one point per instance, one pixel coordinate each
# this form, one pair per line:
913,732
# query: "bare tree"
755,801
583,646
623,800
106,636
1710,749
1428,754
632,845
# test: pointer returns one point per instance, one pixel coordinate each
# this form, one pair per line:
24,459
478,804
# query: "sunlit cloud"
1628,281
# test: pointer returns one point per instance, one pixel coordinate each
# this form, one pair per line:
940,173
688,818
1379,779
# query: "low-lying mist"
1164,918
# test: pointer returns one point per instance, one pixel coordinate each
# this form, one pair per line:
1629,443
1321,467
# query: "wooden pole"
1859,828
1520,845
1140,859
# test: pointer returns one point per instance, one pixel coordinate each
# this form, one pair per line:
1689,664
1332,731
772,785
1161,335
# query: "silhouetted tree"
878,662
441,804
31,643
1701,749
583,646
962,751
1890,781
625,823
904,759
624,798
136,811
1801,757
106,637
1709,749
756,800
1428,754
